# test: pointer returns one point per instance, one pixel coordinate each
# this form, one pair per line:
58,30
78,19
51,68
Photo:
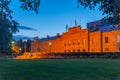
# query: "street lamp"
20,50
50,46
13,42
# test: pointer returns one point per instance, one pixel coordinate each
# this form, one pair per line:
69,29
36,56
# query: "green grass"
60,69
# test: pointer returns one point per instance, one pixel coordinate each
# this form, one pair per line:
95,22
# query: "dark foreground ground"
60,69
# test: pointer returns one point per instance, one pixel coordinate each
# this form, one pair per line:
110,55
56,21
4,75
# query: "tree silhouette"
8,26
109,7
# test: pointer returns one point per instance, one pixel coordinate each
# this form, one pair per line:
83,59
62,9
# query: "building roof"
101,27
90,24
91,27
49,38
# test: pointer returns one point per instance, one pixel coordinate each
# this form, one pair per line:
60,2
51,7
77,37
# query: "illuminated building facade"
95,38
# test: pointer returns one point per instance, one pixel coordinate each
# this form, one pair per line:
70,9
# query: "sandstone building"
95,38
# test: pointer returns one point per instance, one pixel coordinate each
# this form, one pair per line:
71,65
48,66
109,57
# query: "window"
73,43
83,50
64,44
69,44
78,50
106,39
73,50
78,43
69,50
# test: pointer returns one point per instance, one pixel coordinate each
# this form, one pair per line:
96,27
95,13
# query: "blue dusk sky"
53,16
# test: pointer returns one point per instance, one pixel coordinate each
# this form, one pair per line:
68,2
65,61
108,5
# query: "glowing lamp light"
50,43
50,46
20,49
13,42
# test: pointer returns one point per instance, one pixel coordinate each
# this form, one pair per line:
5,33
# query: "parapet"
74,29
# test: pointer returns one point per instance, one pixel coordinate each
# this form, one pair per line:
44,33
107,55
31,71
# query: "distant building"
16,47
95,38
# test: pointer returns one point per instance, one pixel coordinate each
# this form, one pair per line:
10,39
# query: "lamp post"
50,46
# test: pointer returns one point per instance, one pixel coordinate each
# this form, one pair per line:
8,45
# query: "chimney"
66,28
79,26
36,38
117,25
48,36
75,22
57,34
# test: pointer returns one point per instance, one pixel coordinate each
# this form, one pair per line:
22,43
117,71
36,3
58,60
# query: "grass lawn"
60,69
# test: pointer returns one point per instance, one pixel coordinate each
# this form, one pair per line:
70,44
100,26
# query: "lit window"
106,39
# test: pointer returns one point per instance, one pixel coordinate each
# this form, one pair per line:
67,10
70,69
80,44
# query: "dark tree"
30,5
109,7
8,26
21,45
28,45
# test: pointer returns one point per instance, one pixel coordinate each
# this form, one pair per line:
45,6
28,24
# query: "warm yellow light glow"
50,43
20,49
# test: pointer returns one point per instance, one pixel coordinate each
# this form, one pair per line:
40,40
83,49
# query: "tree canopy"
8,25
30,5
109,7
